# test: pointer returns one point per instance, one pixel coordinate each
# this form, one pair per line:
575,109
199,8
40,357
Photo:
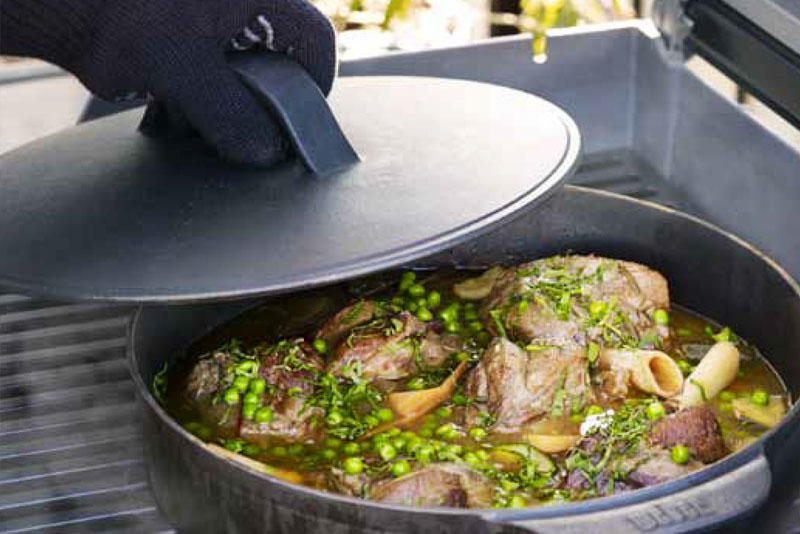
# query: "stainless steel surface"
779,18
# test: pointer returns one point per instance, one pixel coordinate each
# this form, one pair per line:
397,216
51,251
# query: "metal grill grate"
70,447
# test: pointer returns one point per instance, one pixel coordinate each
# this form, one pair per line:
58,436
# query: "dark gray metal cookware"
709,271
100,212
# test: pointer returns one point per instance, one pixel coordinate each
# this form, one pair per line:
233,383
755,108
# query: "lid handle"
294,98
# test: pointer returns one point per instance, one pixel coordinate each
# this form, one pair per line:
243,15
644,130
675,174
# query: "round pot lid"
103,212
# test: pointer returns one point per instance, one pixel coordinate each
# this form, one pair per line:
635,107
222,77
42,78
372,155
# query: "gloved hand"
174,51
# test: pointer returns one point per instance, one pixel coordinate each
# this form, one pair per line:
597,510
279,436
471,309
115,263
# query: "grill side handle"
714,502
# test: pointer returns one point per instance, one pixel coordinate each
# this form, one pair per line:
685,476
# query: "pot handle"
288,91
718,500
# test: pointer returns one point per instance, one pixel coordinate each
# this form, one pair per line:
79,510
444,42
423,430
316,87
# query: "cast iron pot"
709,271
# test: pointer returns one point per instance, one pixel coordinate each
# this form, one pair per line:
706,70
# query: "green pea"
517,501
328,454
522,307
425,453
251,450
470,314
654,411
426,432
409,277
424,314
483,338
251,398
412,306
447,431
594,410
477,433
759,396
398,442
460,400
231,395
380,439
680,454
482,454
413,443
576,418
444,411
258,385
241,383
661,317
726,396
334,419
387,451
333,443
365,446
509,485
353,465
462,356
199,430
475,326
452,328
416,290
233,445
408,435
454,450
279,451
371,421
351,449
320,345
434,299
685,367
263,415
472,458
400,468
394,432
415,384
249,411
296,450
449,314
385,415
598,309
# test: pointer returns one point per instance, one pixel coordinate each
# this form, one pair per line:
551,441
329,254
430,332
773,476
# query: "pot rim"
640,495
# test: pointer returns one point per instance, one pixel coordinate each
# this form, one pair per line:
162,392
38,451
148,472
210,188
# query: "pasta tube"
714,373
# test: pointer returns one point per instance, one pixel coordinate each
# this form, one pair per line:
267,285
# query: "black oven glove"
174,52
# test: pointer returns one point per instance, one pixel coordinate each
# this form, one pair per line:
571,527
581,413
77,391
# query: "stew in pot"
561,379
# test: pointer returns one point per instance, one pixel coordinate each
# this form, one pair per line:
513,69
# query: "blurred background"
37,99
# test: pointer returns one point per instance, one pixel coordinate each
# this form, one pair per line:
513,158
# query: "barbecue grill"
70,447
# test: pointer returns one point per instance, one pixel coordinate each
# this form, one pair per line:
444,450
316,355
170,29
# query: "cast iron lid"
102,212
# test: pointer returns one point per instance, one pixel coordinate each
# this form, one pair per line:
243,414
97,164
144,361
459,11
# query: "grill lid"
101,212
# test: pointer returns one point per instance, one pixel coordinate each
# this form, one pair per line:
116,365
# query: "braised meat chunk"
570,300
437,485
516,386
206,377
337,327
696,428
383,348
289,370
